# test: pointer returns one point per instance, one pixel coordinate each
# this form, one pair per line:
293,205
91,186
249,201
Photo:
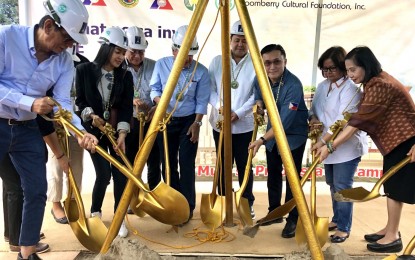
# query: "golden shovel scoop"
158,202
360,194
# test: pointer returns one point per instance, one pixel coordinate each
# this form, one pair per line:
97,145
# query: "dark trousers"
274,181
240,143
12,201
104,170
153,161
24,145
182,153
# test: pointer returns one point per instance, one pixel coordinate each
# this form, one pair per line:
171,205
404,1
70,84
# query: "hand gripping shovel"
90,232
242,204
289,205
320,224
360,194
160,201
212,206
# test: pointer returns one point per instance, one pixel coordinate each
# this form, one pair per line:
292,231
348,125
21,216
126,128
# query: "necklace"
180,95
140,76
106,101
234,83
279,88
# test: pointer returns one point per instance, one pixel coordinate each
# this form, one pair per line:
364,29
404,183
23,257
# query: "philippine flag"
293,106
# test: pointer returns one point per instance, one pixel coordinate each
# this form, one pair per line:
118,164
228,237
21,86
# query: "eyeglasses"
136,52
276,62
330,69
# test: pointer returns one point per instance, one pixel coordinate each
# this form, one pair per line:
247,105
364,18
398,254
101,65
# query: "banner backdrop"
385,26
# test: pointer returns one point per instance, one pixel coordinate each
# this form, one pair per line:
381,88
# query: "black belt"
15,122
173,118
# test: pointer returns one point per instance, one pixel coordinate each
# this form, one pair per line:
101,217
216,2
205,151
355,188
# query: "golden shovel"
212,206
360,194
162,199
320,224
242,204
90,232
159,201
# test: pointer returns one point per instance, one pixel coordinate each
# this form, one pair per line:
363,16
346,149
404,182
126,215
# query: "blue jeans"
339,177
25,146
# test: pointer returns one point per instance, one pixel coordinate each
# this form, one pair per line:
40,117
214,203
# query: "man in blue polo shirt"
183,130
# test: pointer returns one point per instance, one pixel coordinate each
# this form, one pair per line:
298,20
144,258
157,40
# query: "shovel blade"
391,257
321,226
358,194
166,205
212,210
244,211
94,236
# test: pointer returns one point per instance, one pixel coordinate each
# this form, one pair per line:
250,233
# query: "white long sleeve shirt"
242,98
328,108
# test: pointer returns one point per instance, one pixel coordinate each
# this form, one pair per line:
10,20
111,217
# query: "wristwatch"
263,140
199,123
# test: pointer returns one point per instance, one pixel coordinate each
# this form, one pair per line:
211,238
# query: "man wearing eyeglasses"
289,98
142,69
32,61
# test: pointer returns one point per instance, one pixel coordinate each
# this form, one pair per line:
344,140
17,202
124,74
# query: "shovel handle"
166,156
127,172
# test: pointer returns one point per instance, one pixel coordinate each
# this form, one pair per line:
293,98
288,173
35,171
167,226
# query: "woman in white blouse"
335,95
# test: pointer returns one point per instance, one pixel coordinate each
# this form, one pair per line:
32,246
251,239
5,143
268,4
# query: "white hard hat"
136,38
71,15
178,40
114,35
237,28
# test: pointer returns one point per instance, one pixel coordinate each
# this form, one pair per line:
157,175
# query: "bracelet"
322,140
263,140
60,157
330,147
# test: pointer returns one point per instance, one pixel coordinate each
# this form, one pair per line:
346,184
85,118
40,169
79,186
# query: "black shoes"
393,247
375,237
33,256
289,229
406,257
268,223
338,239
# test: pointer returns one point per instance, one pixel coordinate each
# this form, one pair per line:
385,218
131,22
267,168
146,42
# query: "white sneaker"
123,230
96,214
